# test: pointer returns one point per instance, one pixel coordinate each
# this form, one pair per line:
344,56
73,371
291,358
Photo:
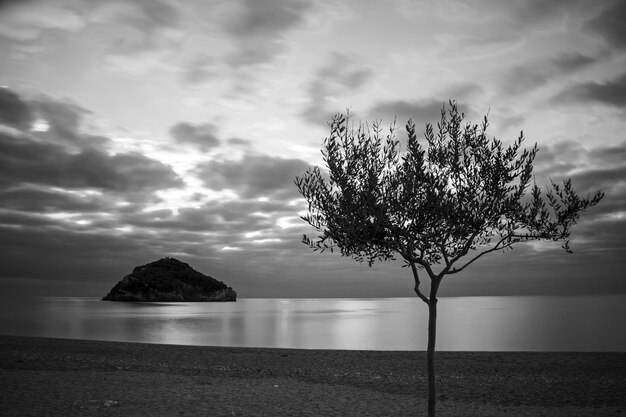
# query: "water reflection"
590,323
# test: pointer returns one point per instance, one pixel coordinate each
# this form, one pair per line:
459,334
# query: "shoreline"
44,376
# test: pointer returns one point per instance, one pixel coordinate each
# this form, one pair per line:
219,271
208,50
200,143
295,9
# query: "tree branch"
419,293
461,254
445,255
429,270
495,248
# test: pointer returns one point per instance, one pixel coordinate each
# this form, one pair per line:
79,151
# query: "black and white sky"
136,129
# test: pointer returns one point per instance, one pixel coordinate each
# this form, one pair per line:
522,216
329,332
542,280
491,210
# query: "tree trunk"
432,334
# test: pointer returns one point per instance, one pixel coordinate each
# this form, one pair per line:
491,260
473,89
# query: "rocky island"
169,279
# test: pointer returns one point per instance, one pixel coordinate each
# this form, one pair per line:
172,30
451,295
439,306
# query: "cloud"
48,201
64,121
345,71
420,111
610,25
64,116
72,206
343,75
13,111
26,21
254,31
25,161
599,168
611,93
211,237
146,34
153,23
43,158
123,172
428,109
559,158
50,224
539,11
572,61
62,253
202,135
216,223
612,178
610,154
494,26
200,69
254,18
255,51
522,79
254,175
19,220
423,111
157,13
259,27
239,142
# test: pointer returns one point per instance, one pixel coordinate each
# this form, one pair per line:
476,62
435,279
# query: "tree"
439,208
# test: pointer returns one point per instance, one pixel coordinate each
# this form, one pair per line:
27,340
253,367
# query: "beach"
63,377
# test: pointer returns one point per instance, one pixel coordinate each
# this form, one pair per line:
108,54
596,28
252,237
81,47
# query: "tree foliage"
443,205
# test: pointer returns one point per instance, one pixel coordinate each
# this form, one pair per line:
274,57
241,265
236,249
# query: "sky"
134,130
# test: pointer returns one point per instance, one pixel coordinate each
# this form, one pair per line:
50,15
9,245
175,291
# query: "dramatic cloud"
202,136
96,199
609,155
254,176
610,179
524,79
23,161
13,111
560,158
64,123
601,168
62,254
132,130
610,24
42,158
62,116
612,93
33,200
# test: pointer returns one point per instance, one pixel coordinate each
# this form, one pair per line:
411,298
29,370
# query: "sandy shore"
57,377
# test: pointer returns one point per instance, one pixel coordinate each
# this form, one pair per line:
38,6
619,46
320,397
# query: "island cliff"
169,279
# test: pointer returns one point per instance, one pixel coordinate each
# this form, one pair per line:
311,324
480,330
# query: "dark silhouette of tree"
440,208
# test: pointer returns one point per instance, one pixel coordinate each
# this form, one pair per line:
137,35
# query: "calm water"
580,323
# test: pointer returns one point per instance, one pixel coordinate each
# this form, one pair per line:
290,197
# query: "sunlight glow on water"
576,323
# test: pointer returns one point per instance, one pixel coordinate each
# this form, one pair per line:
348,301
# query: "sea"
513,323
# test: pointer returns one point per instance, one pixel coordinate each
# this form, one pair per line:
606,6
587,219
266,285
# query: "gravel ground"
59,377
